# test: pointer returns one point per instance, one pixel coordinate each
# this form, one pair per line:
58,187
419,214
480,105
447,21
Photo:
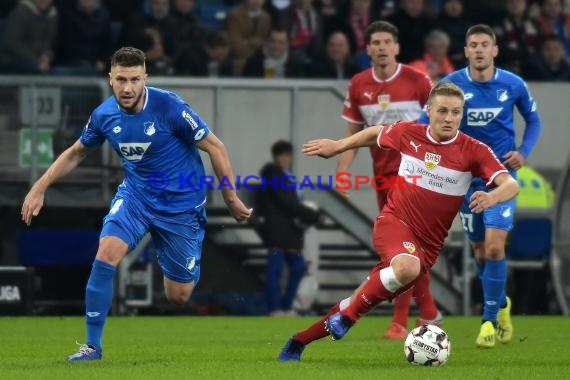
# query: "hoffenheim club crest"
149,128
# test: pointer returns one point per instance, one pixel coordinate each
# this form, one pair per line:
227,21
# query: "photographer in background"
285,220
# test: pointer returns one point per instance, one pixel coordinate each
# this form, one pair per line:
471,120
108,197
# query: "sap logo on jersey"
479,117
133,151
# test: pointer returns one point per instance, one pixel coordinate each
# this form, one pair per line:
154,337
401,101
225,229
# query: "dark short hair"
278,30
446,88
551,38
217,38
128,57
281,147
380,26
481,29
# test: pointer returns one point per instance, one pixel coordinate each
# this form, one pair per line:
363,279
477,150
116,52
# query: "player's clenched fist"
32,205
239,211
323,148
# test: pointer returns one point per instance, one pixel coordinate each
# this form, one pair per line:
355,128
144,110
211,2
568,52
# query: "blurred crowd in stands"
276,38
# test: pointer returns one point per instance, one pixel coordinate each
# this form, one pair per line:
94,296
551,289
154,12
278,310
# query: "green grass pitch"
246,348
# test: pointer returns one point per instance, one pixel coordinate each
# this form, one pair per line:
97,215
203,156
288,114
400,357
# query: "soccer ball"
427,345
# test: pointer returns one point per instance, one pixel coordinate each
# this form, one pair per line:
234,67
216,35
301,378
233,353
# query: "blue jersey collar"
468,75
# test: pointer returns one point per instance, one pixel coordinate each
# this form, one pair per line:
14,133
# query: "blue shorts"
177,237
500,216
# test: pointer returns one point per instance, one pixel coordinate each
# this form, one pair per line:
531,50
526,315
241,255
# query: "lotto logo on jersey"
479,117
133,151
431,160
410,247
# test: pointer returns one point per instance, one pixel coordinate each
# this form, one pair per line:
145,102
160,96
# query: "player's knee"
406,269
178,297
494,251
111,250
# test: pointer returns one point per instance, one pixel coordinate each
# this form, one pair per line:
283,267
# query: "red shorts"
391,237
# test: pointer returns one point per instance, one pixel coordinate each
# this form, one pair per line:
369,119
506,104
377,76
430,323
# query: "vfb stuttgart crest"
410,247
431,160
384,101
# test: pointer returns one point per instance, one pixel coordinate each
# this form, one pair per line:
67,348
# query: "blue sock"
98,298
274,268
494,280
297,269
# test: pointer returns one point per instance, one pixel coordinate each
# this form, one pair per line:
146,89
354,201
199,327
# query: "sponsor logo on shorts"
116,206
190,263
506,211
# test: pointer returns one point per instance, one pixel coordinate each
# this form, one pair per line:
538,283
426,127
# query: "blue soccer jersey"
489,111
158,147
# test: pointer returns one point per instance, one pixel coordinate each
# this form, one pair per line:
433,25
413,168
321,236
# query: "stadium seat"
46,247
212,13
530,239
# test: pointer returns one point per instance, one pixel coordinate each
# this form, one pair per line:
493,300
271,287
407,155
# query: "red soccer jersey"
372,101
444,171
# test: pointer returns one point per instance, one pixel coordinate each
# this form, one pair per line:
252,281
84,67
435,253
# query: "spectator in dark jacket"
453,21
186,25
84,43
29,38
336,63
518,35
209,60
274,59
248,26
283,231
551,64
156,16
414,24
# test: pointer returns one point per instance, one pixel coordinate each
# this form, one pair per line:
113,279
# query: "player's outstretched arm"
65,163
223,169
346,159
328,148
507,188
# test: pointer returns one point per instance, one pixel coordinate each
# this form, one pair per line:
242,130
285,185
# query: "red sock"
317,330
424,298
402,308
371,294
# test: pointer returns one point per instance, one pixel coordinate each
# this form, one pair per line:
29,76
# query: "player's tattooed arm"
223,169
328,148
65,163
507,188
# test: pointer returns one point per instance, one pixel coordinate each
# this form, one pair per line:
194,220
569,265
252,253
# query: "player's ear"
495,50
110,80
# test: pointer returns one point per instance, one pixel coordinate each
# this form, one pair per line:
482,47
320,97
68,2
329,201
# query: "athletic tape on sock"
389,280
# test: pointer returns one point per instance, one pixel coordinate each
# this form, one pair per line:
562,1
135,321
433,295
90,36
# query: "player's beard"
484,65
131,109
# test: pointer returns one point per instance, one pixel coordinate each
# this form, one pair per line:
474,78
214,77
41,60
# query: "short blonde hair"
446,88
